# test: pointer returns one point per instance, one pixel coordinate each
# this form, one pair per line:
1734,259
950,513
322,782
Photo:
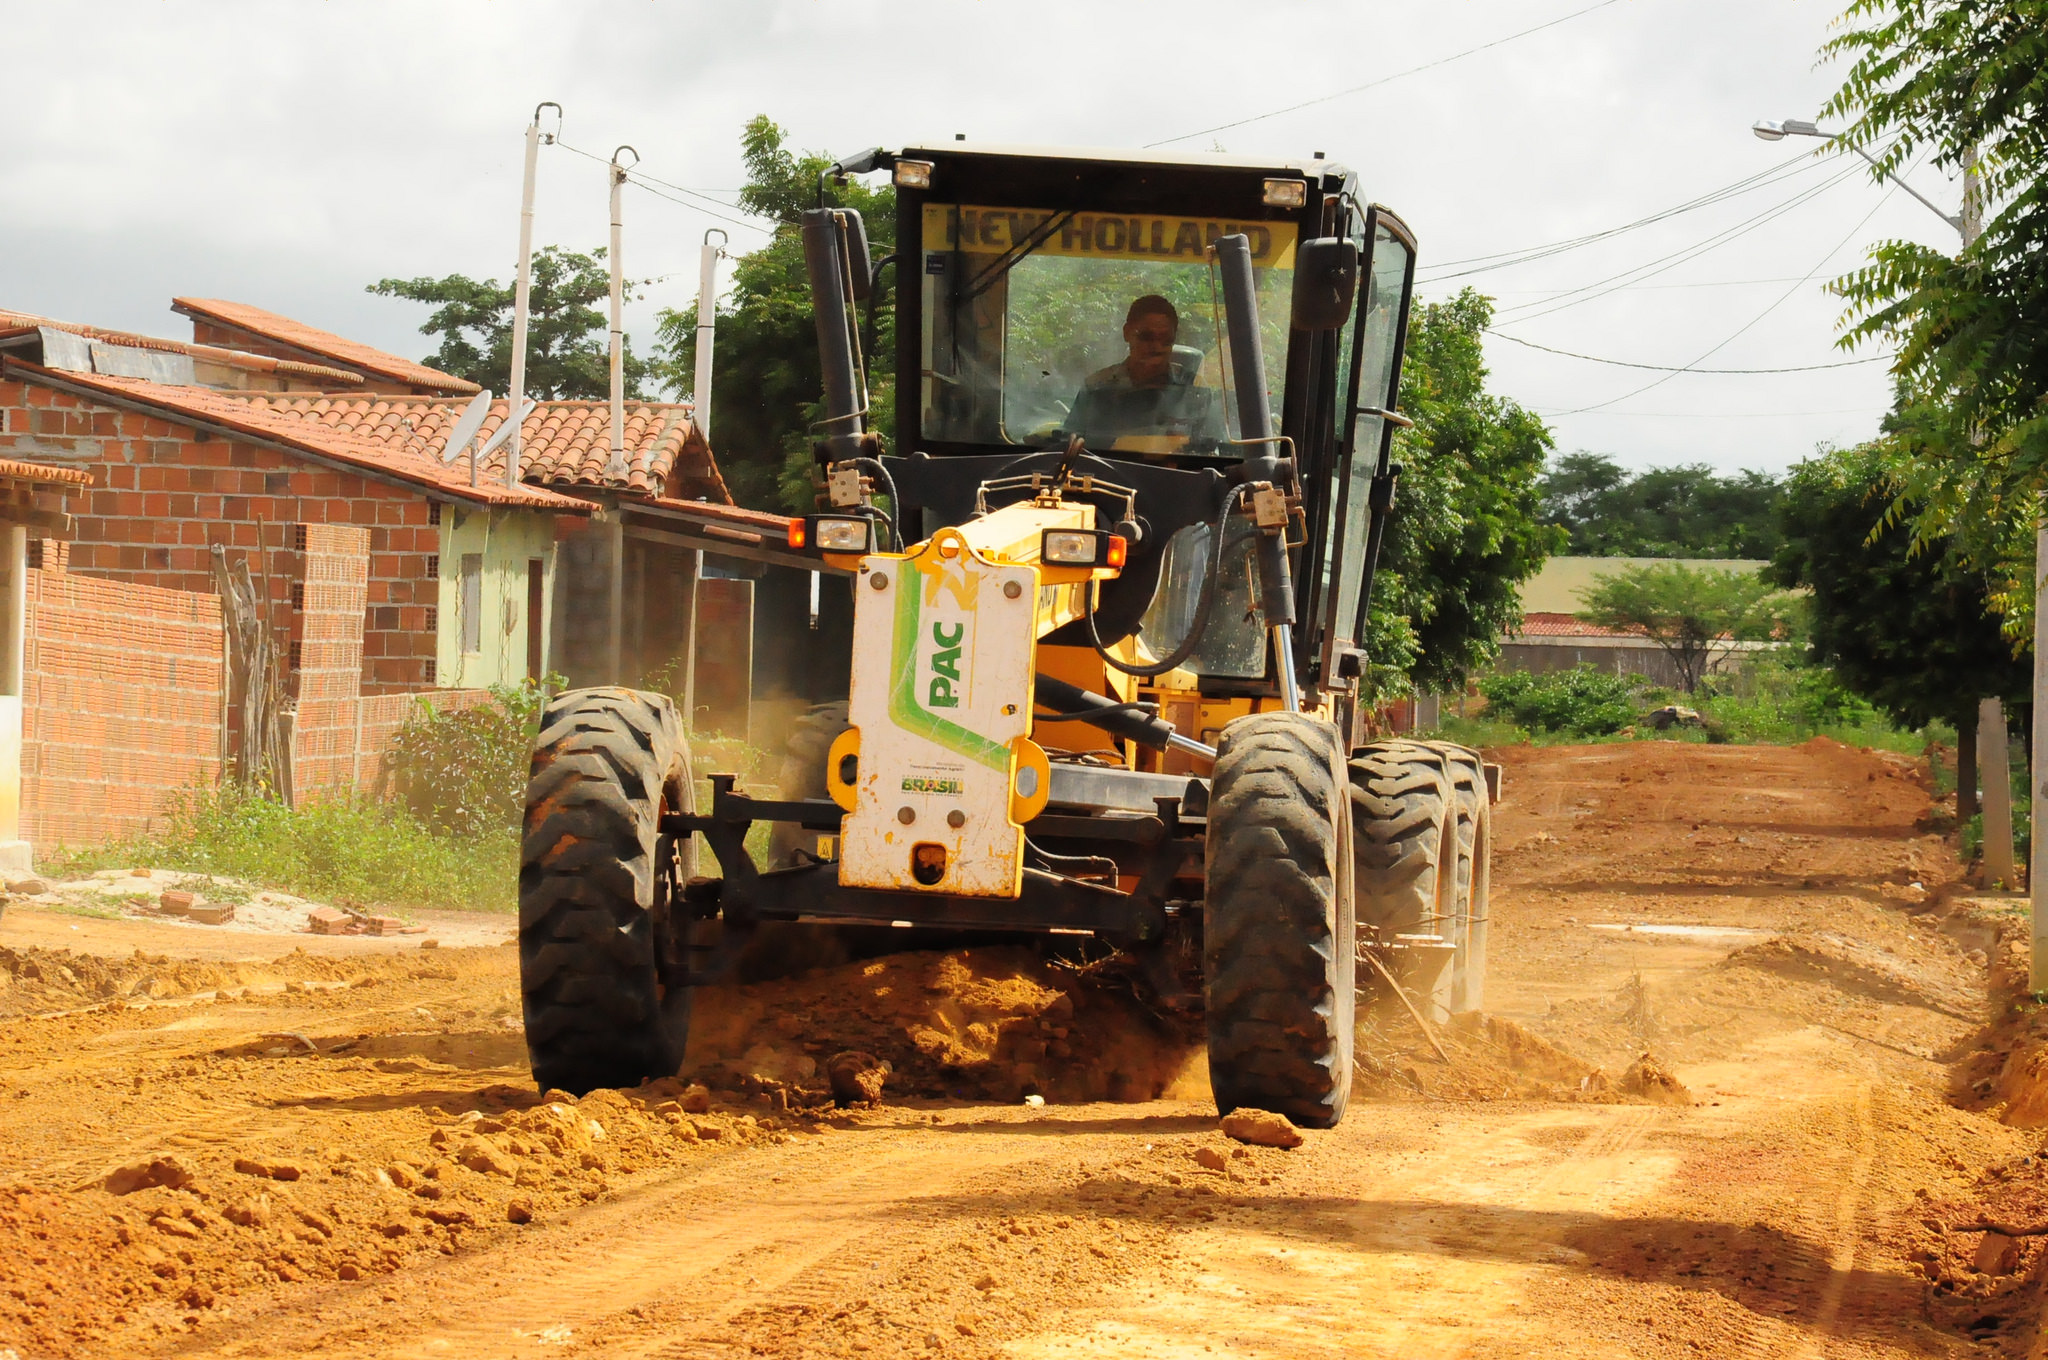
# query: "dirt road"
339,1154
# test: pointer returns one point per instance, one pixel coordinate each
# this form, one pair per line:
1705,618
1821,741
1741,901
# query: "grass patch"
361,852
1773,700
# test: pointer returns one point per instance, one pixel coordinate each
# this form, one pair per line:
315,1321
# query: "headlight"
842,535
1082,548
913,174
1286,193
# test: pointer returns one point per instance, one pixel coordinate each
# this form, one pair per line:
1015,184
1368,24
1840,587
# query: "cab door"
1380,328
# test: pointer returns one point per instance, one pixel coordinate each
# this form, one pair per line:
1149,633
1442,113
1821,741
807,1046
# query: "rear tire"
1474,875
1420,825
592,918
1278,925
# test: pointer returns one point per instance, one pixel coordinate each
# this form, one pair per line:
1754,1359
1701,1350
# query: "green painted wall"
482,635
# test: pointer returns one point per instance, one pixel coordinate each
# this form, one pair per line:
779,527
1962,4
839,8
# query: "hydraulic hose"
1203,601
1071,703
873,467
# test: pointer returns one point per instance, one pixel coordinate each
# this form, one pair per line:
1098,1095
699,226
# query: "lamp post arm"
1955,221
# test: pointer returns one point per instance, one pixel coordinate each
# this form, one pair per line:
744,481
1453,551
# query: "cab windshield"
1042,325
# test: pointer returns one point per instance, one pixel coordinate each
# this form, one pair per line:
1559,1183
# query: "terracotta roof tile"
44,473
567,443
399,453
1569,625
297,334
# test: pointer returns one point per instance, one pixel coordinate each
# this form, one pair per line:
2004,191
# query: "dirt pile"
35,981
972,1024
154,1244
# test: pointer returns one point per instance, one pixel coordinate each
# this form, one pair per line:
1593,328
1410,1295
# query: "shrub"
375,855
1581,700
464,772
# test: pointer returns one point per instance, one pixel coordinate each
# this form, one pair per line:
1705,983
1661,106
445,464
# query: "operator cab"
1049,295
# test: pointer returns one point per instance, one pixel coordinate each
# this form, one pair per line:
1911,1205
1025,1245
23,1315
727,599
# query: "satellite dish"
466,426
504,432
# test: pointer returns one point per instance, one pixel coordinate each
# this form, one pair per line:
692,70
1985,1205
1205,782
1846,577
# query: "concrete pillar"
16,856
1997,780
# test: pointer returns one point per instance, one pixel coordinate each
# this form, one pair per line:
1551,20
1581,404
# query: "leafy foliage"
567,335
463,772
1967,80
1692,613
1684,511
766,384
353,851
1581,701
1465,531
1901,623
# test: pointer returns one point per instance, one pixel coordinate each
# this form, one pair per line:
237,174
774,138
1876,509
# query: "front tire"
591,914
1278,925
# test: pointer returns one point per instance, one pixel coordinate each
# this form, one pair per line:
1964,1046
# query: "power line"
1712,415
1667,368
1662,264
1753,321
648,183
1507,259
1384,80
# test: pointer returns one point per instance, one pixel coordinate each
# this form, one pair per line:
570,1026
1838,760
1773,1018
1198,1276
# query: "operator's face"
1151,340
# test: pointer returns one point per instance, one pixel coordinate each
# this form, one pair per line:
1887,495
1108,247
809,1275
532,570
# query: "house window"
472,602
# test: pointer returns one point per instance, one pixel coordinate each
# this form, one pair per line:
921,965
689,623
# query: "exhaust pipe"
826,263
1261,452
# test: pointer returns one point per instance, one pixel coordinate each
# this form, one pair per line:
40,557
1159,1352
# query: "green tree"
1684,511
1693,613
1968,81
1465,532
766,384
1900,622
567,333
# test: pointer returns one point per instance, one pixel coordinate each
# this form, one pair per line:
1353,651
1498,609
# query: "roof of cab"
1194,160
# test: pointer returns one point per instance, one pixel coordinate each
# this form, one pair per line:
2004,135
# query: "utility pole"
522,291
616,468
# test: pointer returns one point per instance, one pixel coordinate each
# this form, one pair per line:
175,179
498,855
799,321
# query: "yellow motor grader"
1110,575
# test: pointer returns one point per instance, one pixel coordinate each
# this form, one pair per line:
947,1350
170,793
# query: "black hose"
874,467
1196,626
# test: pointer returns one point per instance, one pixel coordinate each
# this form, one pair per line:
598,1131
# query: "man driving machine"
1150,402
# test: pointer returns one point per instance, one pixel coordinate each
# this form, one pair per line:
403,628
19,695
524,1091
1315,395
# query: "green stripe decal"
904,709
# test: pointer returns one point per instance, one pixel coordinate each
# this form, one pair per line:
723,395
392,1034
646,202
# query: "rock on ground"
1262,1127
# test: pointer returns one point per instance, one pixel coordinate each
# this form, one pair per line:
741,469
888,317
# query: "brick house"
463,583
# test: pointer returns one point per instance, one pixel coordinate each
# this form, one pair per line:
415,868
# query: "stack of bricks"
121,711
340,737
333,562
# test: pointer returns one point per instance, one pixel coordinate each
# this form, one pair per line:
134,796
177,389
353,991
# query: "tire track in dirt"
742,1232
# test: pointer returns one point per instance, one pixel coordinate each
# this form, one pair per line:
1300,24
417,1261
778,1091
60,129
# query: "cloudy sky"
286,154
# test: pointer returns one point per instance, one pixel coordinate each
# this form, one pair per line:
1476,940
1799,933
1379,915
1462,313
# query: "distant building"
1552,637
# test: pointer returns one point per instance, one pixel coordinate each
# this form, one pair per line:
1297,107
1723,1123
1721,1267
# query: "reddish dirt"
1737,1057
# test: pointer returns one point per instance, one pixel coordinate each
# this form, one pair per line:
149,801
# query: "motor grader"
1110,575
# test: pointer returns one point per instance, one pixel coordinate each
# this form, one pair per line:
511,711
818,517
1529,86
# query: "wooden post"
1997,777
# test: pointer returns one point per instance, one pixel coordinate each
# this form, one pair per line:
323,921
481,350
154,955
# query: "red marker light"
1118,550
796,533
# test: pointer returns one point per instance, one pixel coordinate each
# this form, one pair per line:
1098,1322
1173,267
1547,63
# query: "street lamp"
1991,727
1777,130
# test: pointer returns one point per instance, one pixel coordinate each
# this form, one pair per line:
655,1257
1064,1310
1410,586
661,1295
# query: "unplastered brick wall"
122,703
164,494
